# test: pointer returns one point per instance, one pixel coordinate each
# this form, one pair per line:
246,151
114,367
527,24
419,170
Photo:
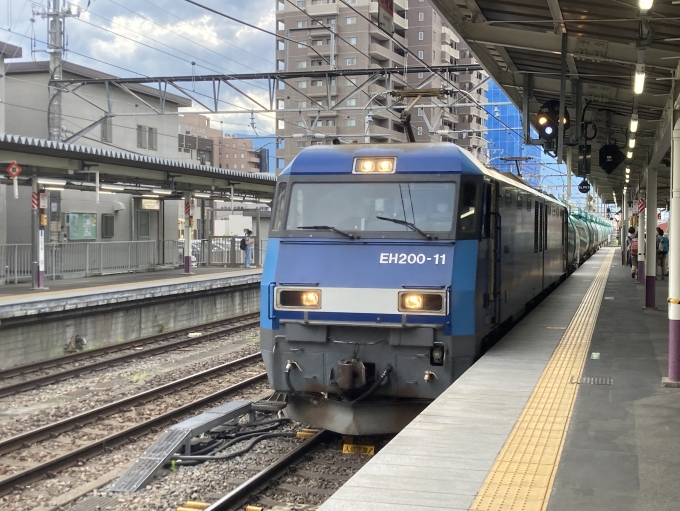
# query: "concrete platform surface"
615,447
21,300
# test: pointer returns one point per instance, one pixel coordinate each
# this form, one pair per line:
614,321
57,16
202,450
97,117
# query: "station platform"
19,300
566,412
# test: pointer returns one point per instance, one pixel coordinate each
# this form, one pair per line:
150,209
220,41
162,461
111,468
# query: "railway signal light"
548,120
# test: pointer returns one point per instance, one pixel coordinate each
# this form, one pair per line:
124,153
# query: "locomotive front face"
357,294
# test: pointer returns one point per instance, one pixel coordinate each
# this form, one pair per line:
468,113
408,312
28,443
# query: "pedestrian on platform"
632,249
250,241
662,246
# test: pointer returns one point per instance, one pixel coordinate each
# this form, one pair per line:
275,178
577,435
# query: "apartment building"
325,34
198,140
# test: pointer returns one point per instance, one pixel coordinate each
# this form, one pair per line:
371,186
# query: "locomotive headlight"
410,301
310,298
298,298
385,165
374,165
367,166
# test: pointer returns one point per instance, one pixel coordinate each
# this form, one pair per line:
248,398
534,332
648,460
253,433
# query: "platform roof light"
107,193
639,85
634,123
151,196
58,182
631,143
629,155
163,192
627,170
202,195
55,188
646,5
111,187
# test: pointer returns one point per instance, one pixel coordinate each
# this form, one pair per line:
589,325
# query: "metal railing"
84,259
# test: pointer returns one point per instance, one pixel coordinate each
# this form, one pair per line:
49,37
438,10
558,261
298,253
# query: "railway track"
242,494
101,415
76,364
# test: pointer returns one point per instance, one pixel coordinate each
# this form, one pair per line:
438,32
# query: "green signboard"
82,226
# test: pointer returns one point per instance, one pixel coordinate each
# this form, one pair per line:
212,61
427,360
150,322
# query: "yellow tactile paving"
524,471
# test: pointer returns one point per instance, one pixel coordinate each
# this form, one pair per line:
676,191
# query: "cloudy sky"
131,38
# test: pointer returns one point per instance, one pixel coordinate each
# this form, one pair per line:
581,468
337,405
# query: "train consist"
389,270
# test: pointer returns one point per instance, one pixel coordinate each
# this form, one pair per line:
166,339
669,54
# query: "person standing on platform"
250,241
662,246
632,249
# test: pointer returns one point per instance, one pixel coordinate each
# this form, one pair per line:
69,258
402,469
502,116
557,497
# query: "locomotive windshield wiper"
328,228
407,224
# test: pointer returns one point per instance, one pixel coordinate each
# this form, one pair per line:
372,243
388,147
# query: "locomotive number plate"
367,450
397,258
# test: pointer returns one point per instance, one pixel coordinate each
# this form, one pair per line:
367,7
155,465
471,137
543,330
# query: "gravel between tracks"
42,406
39,494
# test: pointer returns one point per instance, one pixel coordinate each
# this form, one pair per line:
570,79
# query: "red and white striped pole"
187,233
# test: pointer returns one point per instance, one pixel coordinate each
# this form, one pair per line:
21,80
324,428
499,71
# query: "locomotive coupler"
350,374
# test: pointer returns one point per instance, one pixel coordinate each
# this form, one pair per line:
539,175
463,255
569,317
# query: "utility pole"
56,14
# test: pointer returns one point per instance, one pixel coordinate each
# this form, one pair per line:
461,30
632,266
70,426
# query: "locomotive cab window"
377,207
279,204
467,218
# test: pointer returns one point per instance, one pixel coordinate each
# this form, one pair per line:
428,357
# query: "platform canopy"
587,52
76,165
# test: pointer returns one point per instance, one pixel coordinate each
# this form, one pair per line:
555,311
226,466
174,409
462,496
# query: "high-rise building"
506,147
320,34
198,140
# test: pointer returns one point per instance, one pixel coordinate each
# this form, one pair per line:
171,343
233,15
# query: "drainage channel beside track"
102,429
76,364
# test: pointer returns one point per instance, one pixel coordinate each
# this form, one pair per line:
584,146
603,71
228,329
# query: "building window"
352,102
301,144
301,45
421,36
281,6
420,130
280,104
352,41
318,42
280,45
302,85
351,20
243,166
420,75
420,112
317,83
352,61
141,136
143,224
302,24
330,122
317,62
350,122
301,4
301,124
243,155
107,130
302,104
302,64
420,54
107,225
280,25
330,21
153,139
281,124
352,81
421,16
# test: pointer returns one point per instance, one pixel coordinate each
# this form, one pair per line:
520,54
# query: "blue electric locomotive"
387,269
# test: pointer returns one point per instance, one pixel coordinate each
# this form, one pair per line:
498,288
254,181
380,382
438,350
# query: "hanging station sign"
584,186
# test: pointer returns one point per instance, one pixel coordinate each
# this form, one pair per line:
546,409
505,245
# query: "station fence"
84,259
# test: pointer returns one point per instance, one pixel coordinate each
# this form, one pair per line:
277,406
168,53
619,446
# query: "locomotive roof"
412,158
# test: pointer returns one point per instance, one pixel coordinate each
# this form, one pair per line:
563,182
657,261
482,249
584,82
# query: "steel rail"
17,481
32,367
102,364
236,497
21,441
